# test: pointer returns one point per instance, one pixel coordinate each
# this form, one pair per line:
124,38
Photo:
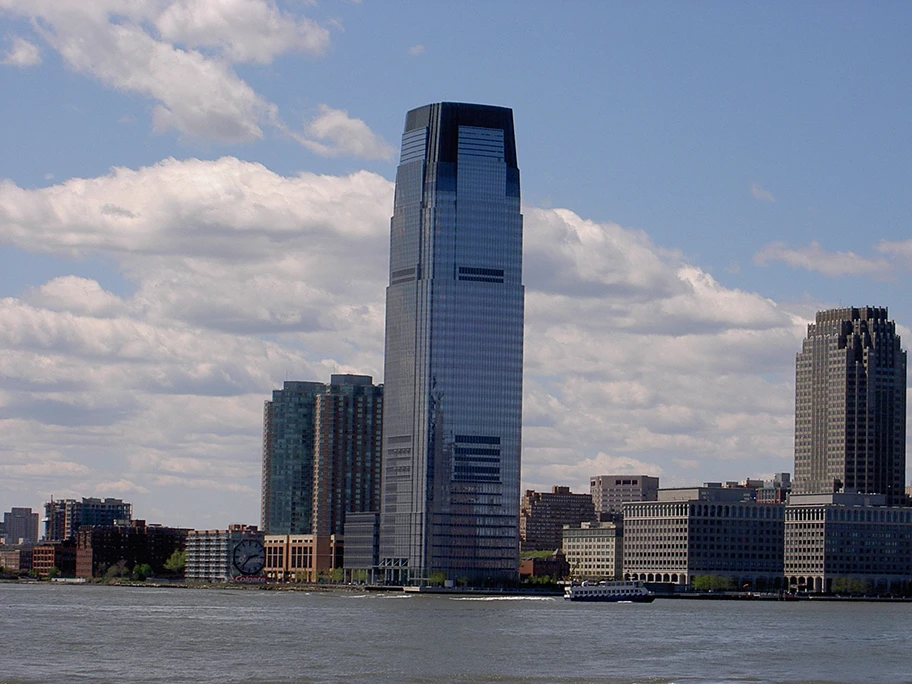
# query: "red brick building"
555,566
60,555
99,548
542,516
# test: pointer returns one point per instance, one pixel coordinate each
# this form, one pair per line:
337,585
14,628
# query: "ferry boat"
609,592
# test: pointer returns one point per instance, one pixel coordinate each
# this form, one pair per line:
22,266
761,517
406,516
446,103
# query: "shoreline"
443,591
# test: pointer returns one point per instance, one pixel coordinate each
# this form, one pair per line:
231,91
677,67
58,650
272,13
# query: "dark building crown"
445,118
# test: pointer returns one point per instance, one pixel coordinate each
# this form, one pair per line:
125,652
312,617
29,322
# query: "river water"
88,633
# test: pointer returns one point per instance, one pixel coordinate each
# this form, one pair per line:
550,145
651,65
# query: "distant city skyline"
195,208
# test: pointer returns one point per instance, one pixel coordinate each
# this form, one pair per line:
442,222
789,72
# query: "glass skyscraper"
454,341
288,458
850,405
321,454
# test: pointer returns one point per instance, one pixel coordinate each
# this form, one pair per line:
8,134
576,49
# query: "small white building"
211,555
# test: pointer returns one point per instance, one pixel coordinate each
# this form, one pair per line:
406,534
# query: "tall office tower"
64,517
20,526
454,338
321,454
850,405
288,458
349,421
104,512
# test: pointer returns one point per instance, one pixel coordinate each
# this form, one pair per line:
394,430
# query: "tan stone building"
705,531
594,550
847,543
611,492
301,557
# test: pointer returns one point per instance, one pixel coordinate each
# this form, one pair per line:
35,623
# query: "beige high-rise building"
850,406
611,492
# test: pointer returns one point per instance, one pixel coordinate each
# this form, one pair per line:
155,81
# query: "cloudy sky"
195,200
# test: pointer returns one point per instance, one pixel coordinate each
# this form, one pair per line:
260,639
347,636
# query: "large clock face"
249,557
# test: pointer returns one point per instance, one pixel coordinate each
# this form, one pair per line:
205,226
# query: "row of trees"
140,572
119,571
840,585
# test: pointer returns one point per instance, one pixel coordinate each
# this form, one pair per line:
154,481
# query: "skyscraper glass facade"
288,458
321,454
454,340
349,425
850,405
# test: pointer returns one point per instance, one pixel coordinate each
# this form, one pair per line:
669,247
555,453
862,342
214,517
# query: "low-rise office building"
362,545
847,543
302,557
16,559
554,566
594,550
719,532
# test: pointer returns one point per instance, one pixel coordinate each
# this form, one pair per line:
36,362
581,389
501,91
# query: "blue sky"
194,206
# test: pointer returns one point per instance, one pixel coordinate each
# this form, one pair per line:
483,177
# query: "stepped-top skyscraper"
850,405
454,340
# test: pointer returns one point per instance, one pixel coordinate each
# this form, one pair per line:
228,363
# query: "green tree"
335,575
53,572
853,587
117,571
537,554
713,583
176,562
141,572
436,579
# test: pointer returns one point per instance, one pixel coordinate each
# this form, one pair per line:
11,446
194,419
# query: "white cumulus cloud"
333,133
240,30
77,295
240,278
181,55
22,53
